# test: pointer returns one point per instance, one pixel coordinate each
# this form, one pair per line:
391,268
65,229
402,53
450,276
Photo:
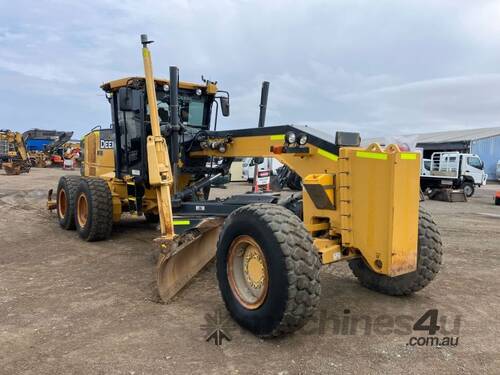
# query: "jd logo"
106,144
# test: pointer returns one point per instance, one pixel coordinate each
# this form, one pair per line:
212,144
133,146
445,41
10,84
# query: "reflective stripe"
408,156
278,137
371,155
182,222
327,154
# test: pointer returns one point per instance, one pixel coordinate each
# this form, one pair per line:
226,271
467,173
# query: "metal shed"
484,142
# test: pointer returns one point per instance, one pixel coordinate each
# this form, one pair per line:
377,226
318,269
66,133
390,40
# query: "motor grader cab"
14,158
357,204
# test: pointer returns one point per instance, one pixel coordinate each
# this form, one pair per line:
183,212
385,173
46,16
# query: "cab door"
130,134
474,168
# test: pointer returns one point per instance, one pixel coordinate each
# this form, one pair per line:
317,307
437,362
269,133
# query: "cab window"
475,162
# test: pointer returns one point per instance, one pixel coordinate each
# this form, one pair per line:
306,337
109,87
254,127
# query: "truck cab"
453,170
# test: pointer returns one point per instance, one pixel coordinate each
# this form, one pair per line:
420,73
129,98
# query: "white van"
267,164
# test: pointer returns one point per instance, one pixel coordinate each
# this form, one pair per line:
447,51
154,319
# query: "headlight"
166,88
302,139
198,92
290,137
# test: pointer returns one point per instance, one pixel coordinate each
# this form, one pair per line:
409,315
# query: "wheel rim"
61,204
82,210
247,272
468,190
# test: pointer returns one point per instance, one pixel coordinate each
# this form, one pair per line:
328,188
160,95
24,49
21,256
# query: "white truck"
265,164
452,170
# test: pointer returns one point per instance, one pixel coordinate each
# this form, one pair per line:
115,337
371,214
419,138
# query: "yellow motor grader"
357,204
14,158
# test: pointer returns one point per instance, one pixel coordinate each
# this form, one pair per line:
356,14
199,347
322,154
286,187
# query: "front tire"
93,210
429,257
268,269
468,188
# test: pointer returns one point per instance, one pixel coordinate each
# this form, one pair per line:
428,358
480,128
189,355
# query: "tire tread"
301,259
101,210
428,264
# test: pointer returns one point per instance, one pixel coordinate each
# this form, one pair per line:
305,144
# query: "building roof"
458,135
465,135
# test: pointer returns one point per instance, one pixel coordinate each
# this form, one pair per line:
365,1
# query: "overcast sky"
378,67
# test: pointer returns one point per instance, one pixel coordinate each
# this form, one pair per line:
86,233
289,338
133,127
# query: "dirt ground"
67,306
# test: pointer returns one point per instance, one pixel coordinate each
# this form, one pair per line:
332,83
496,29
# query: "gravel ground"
67,306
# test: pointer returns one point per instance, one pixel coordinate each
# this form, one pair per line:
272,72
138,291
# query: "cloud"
444,103
385,67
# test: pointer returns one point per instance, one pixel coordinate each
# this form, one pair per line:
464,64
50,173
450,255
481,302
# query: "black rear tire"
294,181
99,210
152,217
428,263
66,192
293,266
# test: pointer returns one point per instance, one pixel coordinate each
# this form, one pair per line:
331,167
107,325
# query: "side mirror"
129,100
224,105
482,164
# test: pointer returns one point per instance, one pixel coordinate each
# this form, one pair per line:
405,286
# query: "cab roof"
210,87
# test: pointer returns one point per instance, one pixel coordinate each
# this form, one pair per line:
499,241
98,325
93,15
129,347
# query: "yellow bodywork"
370,196
97,162
210,87
379,199
356,201
373,195
160,171
15,151
16,144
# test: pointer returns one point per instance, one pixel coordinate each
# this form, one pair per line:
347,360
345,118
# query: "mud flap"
181,259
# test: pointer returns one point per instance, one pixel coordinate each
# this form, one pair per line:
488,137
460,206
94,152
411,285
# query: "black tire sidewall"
65,221
267,317
68,221
152,218
83,232
471,186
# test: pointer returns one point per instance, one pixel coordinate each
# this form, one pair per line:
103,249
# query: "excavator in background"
14,158
359,205
47,147
57,150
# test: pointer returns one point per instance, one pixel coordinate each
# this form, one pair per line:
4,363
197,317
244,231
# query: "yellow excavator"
14,158
160,157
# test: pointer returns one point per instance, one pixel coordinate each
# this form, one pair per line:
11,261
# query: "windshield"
191,108
475,162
